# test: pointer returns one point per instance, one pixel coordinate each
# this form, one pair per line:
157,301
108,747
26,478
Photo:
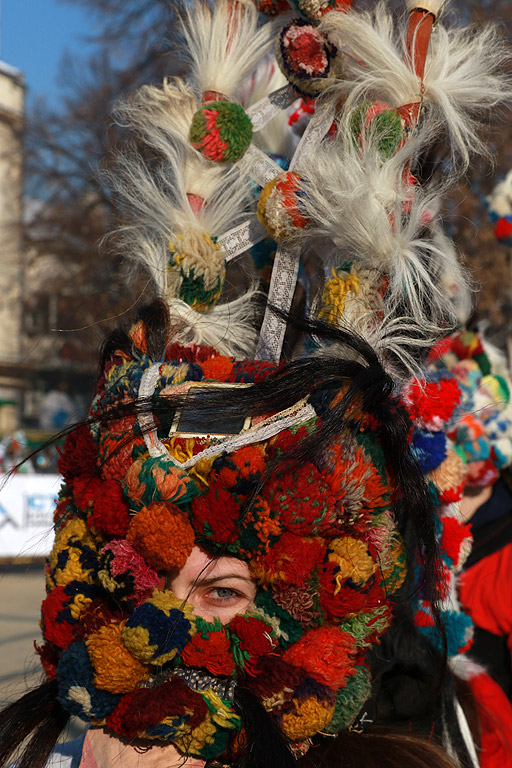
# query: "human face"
218,588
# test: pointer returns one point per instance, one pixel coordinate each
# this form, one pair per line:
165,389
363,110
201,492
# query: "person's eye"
221,596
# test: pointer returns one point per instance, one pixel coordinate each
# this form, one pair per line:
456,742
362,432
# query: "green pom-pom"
349,700
221,130
381,122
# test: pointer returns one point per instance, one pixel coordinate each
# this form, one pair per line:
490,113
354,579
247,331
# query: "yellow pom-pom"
310,716
353,559
71,540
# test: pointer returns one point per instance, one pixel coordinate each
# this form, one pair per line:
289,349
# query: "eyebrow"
214,579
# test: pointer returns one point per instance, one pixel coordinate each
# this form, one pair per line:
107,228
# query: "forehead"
200,564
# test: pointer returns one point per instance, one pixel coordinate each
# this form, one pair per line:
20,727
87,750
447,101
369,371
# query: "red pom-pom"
291,561
49,659
451,495
211,653
432,402
503,230
326,654
215,515
58,625
305,500
138,711
245,464
340,602
455,540
217,368
78,456
255,639
110,512
441,348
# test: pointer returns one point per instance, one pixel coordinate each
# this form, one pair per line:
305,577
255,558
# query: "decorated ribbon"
270,106
241,238
298,414
286,262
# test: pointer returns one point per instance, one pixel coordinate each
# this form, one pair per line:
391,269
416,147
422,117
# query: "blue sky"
34,36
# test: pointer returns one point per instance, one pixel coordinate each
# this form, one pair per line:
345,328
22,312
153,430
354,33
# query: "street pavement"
21,593
22,589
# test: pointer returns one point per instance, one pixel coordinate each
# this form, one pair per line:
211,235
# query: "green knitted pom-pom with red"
221,130
381,121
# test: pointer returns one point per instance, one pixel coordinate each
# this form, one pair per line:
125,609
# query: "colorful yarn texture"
320,543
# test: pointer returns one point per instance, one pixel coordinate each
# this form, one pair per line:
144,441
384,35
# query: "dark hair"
35,721
379,748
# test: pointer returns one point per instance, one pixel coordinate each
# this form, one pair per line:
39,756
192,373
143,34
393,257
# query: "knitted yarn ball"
163,536
221,130
499,208
125,573
315,9
381,121
279,206
304,57
503,230
272,7
195,270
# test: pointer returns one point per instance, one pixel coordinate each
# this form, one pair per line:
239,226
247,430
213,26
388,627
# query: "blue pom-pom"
167,633
429,448
77,692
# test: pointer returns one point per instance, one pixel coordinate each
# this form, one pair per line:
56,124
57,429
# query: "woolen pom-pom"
162,535
141,711
110,513
77,692
215,515
115,669
272,7
431,403
381,122
60,611
307,718
210,652
125,574
325,654
152,479
503,230
221,130
278,206
315,9
195,269
78,455
304,56
159,628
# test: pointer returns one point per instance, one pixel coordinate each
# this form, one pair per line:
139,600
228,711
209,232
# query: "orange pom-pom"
162,535
116,670
217,368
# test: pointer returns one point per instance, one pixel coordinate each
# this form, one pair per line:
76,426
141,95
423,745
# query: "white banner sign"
26,514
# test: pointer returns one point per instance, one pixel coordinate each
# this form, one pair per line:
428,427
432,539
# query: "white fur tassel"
374,219
154,198
161,117
465,76
229,328
224,44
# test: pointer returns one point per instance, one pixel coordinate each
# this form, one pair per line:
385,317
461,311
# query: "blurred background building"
12,377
